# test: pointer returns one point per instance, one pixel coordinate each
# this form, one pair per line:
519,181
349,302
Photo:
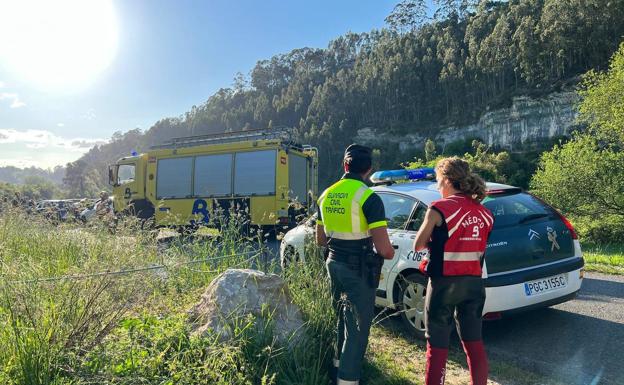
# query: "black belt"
350,259
368,265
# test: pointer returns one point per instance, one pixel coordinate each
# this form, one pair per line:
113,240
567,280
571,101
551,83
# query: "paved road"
578,342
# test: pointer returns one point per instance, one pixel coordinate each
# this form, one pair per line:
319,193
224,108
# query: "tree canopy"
585,176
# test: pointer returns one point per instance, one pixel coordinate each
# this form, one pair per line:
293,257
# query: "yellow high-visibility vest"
341,210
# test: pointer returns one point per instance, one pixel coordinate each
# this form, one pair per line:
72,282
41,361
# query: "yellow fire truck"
189,181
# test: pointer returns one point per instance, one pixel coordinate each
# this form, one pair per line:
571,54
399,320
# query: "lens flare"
61,44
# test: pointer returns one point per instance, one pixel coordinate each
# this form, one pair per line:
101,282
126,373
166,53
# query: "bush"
608,230
582,178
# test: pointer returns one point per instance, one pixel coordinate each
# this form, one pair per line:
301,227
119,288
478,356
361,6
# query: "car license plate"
544,285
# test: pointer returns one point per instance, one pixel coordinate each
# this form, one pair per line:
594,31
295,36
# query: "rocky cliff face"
526,121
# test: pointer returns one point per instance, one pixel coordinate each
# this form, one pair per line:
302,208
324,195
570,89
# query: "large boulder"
239,293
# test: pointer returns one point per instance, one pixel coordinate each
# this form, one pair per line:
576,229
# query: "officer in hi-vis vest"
351,220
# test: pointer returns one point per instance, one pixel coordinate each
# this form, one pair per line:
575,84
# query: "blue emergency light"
391,176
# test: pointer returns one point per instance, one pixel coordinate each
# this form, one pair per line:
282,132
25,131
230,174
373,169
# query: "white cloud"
38,139
13,99
60,124
90,114
1,84
41,148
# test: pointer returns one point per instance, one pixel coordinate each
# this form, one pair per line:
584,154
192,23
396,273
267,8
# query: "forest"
419,74
30,175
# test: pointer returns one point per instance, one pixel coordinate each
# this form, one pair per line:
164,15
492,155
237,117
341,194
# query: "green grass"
607,259
58,325
133,328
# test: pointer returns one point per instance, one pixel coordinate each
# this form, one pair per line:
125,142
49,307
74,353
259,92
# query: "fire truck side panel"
189,185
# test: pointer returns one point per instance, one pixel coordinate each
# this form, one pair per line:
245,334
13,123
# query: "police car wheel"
148,224
290,256
412,290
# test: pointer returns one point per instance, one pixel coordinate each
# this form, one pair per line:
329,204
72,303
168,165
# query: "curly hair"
457,172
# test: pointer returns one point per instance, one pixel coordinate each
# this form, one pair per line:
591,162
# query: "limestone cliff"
527,121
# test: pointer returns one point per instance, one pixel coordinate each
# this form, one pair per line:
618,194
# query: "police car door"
399,209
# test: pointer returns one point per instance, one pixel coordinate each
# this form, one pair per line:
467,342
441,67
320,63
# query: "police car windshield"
516,208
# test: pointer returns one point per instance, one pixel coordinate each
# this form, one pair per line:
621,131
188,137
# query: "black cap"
358,152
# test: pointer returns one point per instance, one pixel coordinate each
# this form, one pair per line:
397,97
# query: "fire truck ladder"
281,133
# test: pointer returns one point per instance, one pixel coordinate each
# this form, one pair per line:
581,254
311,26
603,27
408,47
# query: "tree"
586,175
454,8
602,108
582,178
430,150
489,165
81,181
376,163
407,15
240,82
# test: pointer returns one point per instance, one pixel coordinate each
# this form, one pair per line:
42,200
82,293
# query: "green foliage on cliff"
585,177
490,164
415,77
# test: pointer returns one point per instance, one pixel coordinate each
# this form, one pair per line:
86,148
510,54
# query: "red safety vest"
468,225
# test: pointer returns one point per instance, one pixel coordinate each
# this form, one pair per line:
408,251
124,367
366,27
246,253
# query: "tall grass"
62,322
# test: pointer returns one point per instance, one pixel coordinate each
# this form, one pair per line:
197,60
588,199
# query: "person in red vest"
451,242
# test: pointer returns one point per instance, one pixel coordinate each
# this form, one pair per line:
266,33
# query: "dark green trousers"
354,301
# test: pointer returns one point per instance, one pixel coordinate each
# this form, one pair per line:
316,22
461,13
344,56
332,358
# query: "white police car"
533,256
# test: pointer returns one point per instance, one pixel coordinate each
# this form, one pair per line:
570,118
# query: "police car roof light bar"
392,176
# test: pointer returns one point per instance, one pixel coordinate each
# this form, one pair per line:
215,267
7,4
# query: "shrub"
608,230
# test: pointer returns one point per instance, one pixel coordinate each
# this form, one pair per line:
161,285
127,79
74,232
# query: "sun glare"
60,44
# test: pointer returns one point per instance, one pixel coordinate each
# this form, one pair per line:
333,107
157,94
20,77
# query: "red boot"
436,365
477,361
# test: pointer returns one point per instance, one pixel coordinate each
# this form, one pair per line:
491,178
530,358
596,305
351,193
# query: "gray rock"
526,121
240,293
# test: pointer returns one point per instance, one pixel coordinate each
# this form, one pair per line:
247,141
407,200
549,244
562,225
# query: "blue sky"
169,56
